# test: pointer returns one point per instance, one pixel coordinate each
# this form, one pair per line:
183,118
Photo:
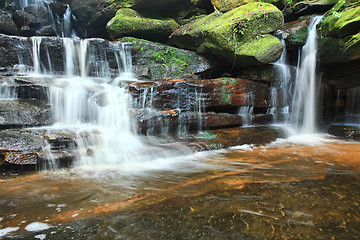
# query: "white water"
88,101
303,114
282,90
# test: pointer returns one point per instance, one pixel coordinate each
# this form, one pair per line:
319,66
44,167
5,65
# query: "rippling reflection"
283,190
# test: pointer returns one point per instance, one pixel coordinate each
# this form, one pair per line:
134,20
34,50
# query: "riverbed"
298,188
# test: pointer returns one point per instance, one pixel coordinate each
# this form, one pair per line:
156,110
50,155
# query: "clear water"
284,190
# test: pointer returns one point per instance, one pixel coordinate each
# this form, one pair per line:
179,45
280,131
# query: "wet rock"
345,131
155,61
239,36
295,33
24,113
222,138
226,93
174,121
20,148
129,23
10,49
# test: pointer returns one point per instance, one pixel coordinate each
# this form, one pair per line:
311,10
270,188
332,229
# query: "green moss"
224,34
128,22
225,94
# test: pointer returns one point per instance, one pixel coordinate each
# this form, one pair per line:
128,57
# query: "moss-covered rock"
339,33
240,35
129,23
295,33
227,5
156,61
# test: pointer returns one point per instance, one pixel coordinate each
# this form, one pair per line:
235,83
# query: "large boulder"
296,9
93,15
177,9
156,61
339,33
7,24
240,36
129,23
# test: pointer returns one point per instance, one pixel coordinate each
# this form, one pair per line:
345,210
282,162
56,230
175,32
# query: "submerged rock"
345,131
223,138
129,23
240,36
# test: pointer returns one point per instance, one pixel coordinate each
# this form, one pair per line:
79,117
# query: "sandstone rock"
223,93
240,36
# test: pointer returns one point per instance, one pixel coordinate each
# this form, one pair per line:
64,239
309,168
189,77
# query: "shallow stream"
291,189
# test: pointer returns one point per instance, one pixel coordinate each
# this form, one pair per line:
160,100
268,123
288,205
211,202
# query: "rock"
219,95
173,121
7,25
295,33
24,113
227,5
223,138
339,33
155,61
176,9
93,15
303,8
20,148
11,47
345,131
129,23
240,35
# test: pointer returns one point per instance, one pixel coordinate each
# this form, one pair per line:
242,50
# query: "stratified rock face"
129,23
213,93
339,33
240,36
156,61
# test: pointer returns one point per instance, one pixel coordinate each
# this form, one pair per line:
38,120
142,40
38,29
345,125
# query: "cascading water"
281,89
303,114
87,100
353,105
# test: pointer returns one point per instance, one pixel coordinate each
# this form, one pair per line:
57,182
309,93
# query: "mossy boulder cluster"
241,36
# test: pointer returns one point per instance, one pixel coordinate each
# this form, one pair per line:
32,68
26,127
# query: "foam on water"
37,227
7,230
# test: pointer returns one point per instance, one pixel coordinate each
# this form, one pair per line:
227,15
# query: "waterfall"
353,105
26,3
281,89
303,114
86,100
